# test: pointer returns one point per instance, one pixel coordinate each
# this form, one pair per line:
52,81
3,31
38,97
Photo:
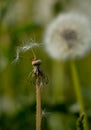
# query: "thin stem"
38,75
38,107
78,91
33,53
77,86
58,76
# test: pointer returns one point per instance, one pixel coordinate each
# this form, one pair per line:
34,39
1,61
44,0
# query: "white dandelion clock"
68,36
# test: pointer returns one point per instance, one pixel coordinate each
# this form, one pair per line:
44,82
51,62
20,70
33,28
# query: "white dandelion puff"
68,36
23,49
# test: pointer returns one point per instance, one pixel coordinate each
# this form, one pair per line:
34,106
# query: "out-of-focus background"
21,21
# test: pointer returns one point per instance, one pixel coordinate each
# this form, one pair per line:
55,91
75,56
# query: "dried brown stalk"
40,80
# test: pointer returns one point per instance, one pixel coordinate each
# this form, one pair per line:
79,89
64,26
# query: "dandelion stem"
78,91
77,86
38,75
38,107
58,81
33,53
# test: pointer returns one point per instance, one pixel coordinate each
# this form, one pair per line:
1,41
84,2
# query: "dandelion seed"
68,36
23,49
45,113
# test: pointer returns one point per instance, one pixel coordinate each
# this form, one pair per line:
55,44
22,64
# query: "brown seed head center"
69,35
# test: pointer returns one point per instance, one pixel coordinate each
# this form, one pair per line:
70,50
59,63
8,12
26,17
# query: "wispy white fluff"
23,49
68,36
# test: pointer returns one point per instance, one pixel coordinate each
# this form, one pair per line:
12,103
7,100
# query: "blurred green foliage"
17,94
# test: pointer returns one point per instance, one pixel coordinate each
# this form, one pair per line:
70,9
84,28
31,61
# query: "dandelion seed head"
68,36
